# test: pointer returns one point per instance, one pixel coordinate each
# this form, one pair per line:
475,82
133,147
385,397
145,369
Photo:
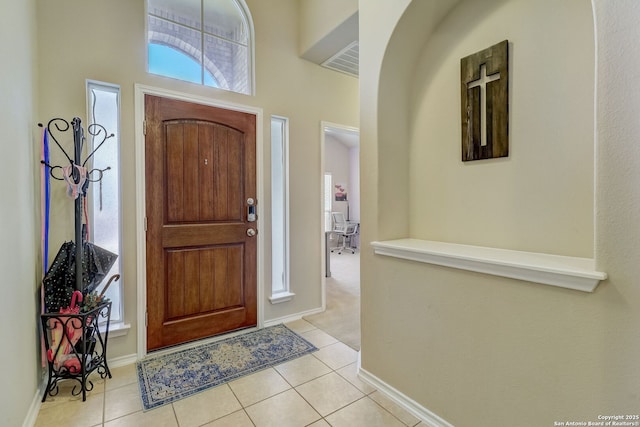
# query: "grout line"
243,408
104,404
175,415
249,417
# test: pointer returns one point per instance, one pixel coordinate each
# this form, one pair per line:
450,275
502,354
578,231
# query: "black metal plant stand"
75,345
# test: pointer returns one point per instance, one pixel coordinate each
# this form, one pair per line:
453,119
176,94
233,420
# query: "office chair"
344,230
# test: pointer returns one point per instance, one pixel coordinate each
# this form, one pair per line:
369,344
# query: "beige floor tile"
159,417
363,413
329,393
350,373
66,391
207,406
302,369
122,401
118,398
121,376
286,409
237,419
74,413
258,386
337,355
395,409
319,338
300,326
98,381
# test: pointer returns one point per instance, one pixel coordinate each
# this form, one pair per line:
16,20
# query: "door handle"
251,232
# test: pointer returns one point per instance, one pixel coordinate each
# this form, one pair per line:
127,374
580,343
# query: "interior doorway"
341,268
341,186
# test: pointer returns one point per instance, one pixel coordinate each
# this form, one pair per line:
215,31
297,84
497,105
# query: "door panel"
201,265
203,280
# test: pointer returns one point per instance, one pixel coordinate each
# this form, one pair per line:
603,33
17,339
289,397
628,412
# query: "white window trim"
252,48
281,291
116,327
327,220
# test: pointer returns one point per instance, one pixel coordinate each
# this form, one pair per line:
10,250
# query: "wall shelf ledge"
555,270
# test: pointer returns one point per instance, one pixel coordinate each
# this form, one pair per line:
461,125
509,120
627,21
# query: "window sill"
562,271
117,329
281,297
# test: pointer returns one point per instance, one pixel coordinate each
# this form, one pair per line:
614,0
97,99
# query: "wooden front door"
201,253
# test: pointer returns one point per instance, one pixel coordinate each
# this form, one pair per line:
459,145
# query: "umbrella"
65,333
60,280
96,263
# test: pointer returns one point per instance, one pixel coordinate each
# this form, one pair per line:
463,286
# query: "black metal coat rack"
75,344
95,130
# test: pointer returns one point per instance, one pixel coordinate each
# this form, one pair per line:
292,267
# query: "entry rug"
166,378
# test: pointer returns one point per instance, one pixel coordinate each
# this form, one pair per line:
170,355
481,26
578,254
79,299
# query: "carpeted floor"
341,319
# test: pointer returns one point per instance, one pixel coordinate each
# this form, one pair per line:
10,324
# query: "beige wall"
480,350
540,198
319,17
79,40
475,350
19,224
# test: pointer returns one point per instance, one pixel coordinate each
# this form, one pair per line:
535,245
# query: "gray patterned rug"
170,377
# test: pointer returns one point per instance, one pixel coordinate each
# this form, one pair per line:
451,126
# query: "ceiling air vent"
346,60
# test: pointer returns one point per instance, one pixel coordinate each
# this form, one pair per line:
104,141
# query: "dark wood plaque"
484,84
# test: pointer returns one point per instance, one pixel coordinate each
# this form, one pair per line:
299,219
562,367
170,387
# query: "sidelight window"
280,291
103,105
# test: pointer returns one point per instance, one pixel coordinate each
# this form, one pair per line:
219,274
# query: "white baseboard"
118,362
426,416
36,403
292,317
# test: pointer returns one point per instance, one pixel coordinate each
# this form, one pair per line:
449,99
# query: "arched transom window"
209,42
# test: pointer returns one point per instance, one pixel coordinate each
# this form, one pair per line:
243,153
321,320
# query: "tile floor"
319,389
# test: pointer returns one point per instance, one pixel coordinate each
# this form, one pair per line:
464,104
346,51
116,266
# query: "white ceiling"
338,50
348,137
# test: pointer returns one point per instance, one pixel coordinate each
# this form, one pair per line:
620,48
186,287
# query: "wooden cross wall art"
484,81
